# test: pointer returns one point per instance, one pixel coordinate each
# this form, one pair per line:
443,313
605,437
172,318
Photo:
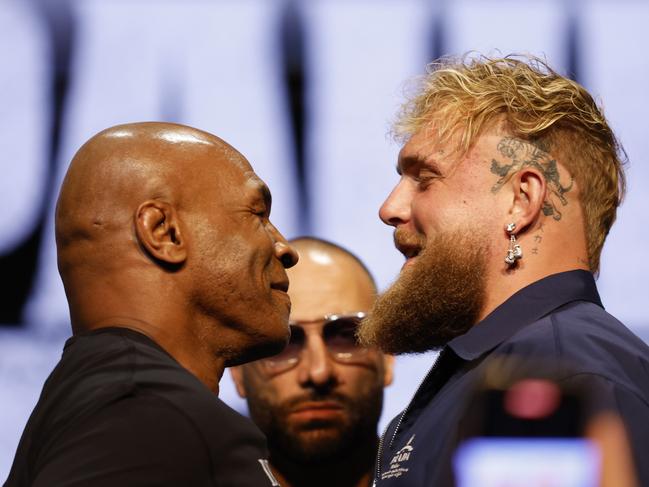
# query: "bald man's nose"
283,250
316,366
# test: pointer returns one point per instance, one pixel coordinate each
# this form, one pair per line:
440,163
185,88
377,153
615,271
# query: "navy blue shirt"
559,318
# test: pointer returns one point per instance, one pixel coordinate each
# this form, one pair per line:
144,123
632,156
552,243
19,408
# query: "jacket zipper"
396,430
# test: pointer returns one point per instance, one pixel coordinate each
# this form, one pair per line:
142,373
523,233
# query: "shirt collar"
526,306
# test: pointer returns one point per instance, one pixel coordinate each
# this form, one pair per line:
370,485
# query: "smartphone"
528,434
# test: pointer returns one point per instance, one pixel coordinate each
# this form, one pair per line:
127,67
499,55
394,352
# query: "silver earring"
514,252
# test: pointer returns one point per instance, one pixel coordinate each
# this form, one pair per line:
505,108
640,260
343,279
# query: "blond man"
510,178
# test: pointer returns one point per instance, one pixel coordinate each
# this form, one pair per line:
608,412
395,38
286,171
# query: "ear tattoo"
514,252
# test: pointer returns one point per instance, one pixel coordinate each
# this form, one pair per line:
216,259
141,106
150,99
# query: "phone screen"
528,433
527,462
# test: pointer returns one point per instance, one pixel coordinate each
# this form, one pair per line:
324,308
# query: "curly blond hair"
461,97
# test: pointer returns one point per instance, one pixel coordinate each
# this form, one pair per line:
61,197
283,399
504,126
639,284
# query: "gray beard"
437,298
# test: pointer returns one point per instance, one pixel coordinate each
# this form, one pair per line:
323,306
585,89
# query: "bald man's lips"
280,289
280,286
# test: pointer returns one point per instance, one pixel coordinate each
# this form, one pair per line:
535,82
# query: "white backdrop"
216,65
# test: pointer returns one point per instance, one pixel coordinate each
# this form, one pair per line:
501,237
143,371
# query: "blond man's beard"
435,299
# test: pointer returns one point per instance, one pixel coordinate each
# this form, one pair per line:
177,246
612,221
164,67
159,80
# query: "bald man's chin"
258,348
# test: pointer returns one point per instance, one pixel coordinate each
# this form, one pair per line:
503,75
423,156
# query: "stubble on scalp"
437,298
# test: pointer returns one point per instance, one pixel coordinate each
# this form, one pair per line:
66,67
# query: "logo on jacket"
397,468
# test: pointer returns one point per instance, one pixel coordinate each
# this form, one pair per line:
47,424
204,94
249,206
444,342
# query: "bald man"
172,271
319,401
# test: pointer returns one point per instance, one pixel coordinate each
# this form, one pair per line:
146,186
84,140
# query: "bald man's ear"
388,367
237,378
158,231
529,194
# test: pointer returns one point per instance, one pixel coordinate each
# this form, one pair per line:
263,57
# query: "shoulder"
179,435
580,323
592,328
197,429
135,438
590,342
117,365
218,423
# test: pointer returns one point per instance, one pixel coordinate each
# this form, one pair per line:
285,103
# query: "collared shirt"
558,319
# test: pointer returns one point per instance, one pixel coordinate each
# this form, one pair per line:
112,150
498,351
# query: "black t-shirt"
119,411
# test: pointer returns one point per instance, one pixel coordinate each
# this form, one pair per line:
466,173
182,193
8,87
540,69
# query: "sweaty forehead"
256,187
253,181
234,157
229,164
178,137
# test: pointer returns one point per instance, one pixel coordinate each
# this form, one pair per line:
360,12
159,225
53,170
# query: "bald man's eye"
261,212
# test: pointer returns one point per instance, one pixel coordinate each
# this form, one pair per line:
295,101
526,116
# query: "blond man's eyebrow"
408,161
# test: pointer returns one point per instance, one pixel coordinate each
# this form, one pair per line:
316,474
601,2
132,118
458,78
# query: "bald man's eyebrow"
263,196
266,196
